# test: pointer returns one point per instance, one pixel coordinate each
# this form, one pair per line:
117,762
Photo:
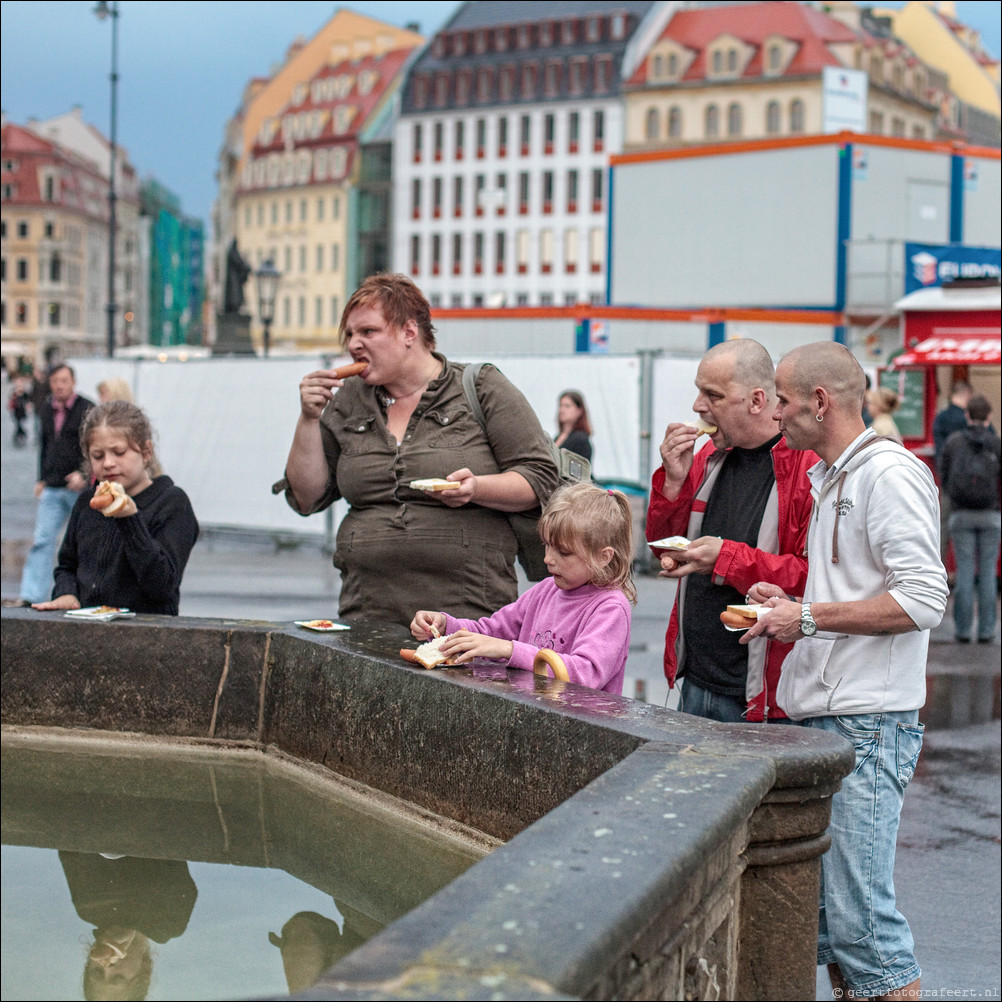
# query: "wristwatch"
807,625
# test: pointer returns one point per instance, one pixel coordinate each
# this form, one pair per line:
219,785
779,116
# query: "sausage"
355,369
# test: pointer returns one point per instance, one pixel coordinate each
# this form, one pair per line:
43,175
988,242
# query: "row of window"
675,125
288,212
485,199
478,300
518,127
49,314
477,244
571,31
325,257
326,311
525,81
54,271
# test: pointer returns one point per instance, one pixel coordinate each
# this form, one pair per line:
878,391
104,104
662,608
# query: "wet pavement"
948,868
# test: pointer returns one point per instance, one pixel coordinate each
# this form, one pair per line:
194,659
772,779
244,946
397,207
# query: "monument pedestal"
233,335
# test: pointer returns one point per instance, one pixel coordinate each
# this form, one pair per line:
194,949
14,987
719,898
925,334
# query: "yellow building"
306,175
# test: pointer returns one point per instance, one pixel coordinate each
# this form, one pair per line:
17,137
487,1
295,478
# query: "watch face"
808,627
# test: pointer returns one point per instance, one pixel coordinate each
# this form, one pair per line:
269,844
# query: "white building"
501,151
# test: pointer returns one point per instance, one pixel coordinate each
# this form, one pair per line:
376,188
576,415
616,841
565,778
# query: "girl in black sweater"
134,558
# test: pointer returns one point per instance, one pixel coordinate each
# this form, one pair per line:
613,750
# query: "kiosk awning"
961,349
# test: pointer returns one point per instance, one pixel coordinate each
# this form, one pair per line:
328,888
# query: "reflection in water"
130,901
183,864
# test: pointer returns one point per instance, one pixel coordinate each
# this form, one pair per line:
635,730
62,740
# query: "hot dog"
740,617
355,369
109,498
434,484
702,428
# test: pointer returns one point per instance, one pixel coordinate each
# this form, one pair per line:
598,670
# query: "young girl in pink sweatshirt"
582,611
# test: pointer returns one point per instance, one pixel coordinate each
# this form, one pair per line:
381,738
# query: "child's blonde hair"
127,418
583,519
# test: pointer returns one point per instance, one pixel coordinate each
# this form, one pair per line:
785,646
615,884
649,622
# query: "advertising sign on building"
843,105
930,265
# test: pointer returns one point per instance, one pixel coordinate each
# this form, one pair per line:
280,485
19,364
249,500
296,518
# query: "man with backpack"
969,468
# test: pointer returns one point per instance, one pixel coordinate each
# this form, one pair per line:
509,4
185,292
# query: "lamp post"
267,278
105,10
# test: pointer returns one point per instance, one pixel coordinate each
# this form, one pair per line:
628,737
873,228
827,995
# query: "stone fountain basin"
647,853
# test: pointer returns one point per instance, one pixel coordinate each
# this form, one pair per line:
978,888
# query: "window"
712,121
456,300
420,91
570,251
603,74
22,228
439,140
523,36
529,76
415,255
499,251
288,210
572,191
286,311
569,32
303,211
501,39
478,253
596,189
523,193
335,257
775,58
552,78
547,192
524,132
479,185
481,129
734,119
593,29
336,208
464,79
652,124
457,253
732,60
21,312
436,198
675,122
436,254
301,311
460,137
260,214
772,125
22,269
457,197
596,249
573,131
247,216
673,64
318,311
617,26
717,61
501,201
416,198
485,84
55,269
50,189
506,83
522,245
549,131
480,41
418,137
577,75
598,131
897,126
320,257
657,66
54,314
546,33
502,137
302,257
796,115
335,312
546,251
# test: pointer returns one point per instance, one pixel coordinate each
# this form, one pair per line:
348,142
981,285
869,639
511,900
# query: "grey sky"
183,66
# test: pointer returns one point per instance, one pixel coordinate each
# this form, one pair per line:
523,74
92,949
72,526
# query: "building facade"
501,148
759,71
55,246
305,172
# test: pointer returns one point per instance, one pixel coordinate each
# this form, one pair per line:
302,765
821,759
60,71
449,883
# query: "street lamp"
267,278
105,10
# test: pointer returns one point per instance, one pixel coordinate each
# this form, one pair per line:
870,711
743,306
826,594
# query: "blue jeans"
975,536
859,926
701,702
54,509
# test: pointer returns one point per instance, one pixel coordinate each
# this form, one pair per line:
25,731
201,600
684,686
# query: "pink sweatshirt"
588,627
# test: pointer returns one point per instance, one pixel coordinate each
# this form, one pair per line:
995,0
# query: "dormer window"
732,60
459,43
617,24
593,29
717,61
440,48
523,36
775,58
546,33
569,32
672,65
501,39
480,41
657,66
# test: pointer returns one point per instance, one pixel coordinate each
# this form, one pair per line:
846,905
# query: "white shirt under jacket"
883,525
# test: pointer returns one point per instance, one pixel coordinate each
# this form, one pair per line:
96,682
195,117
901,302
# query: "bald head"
829,365
751,364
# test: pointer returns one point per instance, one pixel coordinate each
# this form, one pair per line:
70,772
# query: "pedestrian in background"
573,424
969,467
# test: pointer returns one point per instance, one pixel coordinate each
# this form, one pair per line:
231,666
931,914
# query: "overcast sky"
183,65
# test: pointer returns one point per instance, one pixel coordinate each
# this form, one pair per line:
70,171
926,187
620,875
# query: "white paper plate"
99,614
315,625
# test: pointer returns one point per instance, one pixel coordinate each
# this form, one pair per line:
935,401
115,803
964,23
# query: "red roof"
810,29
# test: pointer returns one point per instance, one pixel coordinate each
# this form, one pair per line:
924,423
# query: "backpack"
570,466
973,477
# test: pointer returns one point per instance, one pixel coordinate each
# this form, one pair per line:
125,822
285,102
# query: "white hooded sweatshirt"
874,528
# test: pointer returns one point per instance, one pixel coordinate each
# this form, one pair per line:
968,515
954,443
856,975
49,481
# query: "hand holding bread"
111,500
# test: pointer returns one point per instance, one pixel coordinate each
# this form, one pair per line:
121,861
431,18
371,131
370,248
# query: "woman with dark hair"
574,426
407,418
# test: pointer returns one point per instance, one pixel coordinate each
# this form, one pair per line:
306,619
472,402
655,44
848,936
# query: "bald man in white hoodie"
875,587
